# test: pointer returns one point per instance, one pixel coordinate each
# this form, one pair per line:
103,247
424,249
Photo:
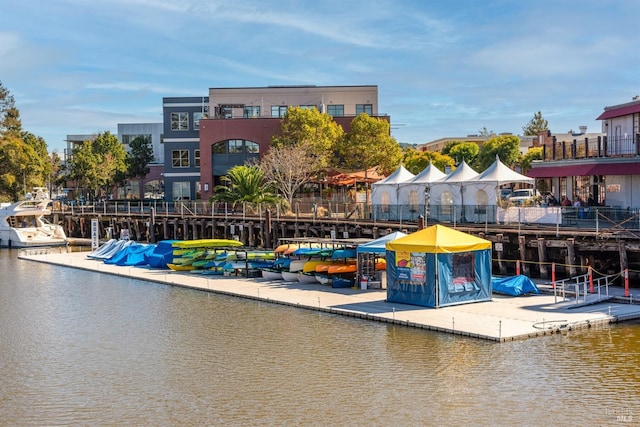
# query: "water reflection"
84,348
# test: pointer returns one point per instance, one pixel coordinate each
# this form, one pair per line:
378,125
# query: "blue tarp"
378,246
132,255
514,285
161,255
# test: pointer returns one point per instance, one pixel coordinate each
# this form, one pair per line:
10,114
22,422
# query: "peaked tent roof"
428,175
400,175
438,239
379,245
500,173
464,172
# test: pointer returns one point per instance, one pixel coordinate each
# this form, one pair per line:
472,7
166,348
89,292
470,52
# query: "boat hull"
271,274
29,238
289,276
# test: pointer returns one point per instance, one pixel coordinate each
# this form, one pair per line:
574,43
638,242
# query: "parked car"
524,196
505,193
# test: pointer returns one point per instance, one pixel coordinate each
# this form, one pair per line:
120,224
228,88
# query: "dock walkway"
502,319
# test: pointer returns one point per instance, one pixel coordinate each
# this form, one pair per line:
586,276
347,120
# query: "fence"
595,217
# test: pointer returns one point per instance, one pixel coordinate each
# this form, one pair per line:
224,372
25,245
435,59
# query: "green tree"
139,156
485,132
308,127
536,125
10,123
461,150
245,183
15,160
507,147
416,161
368,144
534,153
98,165
40,165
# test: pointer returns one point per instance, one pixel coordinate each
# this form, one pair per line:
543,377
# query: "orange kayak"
343,268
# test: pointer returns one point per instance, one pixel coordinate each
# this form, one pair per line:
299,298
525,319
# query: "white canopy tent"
413,192
384,193
483,189
447,194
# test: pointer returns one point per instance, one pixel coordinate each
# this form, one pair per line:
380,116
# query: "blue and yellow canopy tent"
438,266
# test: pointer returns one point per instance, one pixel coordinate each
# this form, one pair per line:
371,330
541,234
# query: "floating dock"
502,319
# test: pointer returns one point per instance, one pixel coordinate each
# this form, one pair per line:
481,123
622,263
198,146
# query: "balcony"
622,146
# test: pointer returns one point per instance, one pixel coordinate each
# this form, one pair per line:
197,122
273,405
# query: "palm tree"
245,184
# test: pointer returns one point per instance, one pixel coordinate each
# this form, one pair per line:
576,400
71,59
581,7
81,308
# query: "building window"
335,110
180,158
364,108
196,158
179,121
219,147
251,112
126,139
181,190
236,146
196,120
278,110
252,147
308,107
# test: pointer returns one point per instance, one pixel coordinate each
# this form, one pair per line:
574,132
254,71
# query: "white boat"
270,274
290,276
307,278
23,224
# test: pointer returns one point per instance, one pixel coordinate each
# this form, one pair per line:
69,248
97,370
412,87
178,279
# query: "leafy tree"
507,147
15,160
40,165
23,156
308,127
485,132
57,174
10,123
369,144
245,183
460,150
534,153
416,161
139,157
536,125
289,167
98,165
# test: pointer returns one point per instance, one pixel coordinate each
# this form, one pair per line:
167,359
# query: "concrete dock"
502,319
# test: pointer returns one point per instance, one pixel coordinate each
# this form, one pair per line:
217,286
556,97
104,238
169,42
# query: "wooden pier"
539,251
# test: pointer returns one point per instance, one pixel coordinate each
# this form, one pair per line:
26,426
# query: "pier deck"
502,319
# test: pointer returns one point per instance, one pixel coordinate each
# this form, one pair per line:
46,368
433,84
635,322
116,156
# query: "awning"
617,112
585,170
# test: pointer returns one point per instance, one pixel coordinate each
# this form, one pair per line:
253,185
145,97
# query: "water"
81,348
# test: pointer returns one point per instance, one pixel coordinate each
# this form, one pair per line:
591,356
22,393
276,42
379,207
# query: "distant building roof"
620,110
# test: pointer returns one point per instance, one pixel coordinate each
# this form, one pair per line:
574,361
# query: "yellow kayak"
205,243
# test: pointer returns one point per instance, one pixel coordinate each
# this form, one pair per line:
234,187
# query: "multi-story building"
243,121
604,168
152,185
181,117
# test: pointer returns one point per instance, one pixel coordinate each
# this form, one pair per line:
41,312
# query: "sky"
443,68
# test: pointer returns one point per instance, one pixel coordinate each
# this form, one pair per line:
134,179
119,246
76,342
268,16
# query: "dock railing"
583,285
600,218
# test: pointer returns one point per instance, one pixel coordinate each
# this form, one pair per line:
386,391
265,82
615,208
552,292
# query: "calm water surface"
81,348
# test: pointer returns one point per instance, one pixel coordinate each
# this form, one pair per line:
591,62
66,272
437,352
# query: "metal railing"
600,218
582,286
623,146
